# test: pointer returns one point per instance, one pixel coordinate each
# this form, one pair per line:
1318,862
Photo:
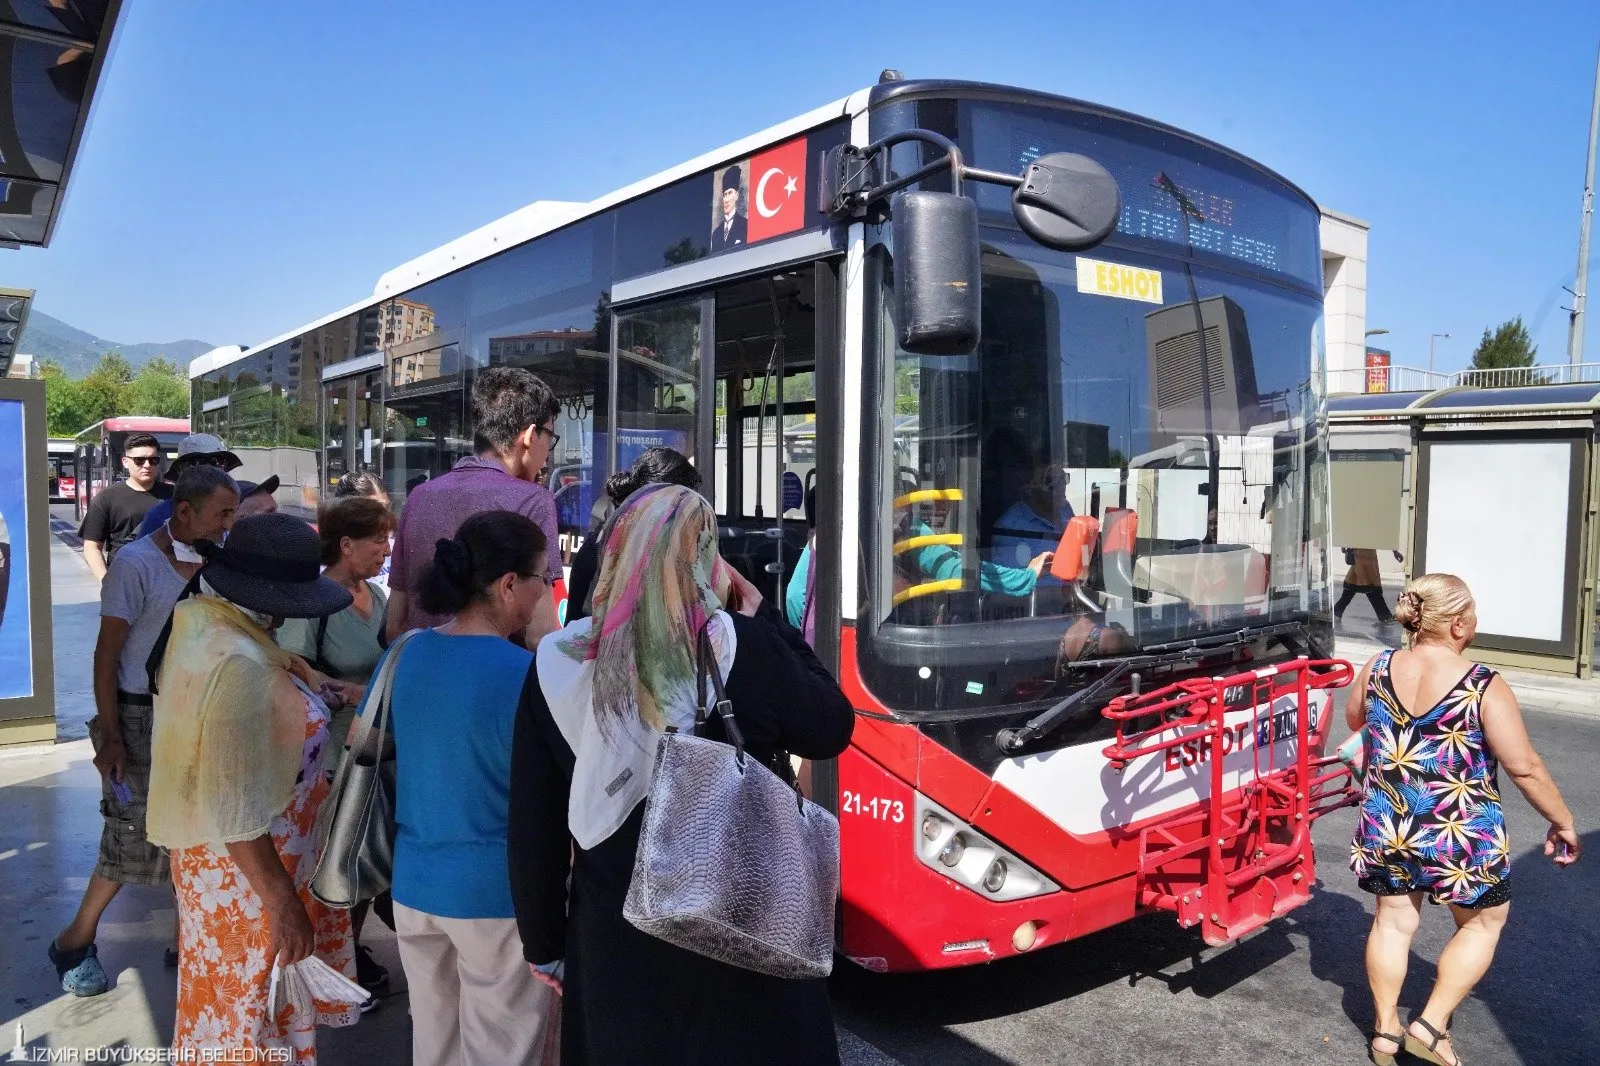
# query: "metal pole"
1580,287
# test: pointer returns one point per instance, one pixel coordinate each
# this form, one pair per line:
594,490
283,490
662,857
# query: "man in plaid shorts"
136,599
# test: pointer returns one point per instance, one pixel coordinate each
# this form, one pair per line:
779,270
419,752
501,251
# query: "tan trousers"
473,1001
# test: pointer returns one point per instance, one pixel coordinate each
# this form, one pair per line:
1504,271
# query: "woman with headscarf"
582,760
236,782
657,466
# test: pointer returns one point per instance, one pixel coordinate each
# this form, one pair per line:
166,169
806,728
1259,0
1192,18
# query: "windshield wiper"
1172,653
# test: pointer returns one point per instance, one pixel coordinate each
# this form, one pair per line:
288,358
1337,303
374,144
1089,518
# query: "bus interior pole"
1580,286
779,358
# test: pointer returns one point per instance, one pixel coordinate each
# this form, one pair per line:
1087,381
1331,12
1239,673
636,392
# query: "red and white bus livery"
1017,403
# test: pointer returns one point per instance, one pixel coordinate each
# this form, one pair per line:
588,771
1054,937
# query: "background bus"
99,451
63,453
1159,398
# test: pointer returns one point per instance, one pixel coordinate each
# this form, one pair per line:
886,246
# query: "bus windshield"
1131,458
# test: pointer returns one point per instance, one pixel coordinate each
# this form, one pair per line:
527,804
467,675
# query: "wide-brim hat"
271,564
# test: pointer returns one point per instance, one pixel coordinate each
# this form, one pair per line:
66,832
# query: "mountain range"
47,338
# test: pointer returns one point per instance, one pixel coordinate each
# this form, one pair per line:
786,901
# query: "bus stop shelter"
1499,486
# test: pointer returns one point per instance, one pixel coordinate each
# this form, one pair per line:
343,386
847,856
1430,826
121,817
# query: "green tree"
1507,345
104,390
63,402
683,252
159,389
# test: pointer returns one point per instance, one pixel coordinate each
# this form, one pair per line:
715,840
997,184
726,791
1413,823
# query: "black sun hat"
272,564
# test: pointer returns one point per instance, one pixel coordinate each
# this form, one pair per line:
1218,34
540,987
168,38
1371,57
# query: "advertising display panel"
27,677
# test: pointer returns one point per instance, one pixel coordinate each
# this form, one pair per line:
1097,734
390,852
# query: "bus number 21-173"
885,810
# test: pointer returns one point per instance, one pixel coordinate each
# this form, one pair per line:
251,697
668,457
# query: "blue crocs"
80,971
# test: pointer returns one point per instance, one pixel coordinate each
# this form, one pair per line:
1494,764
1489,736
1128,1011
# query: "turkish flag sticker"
778,190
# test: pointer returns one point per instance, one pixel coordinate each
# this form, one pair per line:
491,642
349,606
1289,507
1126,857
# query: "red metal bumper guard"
1241,857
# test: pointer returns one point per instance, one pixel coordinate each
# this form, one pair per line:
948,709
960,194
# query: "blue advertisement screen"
16,645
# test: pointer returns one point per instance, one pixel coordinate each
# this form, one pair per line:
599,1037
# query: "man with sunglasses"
117,510
197,449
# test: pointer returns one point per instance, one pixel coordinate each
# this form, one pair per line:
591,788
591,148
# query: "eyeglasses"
555,438
142,460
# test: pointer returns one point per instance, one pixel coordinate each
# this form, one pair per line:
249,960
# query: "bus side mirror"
937,274
1067,201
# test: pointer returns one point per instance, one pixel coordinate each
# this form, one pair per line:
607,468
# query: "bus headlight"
957,851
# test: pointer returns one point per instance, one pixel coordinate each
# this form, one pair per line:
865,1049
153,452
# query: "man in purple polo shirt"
515,414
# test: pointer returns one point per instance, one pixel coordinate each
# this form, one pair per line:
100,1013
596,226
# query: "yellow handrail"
928,496
954,540
927,588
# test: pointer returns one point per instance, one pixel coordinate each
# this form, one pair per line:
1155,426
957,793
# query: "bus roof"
535,220
546,216
138,424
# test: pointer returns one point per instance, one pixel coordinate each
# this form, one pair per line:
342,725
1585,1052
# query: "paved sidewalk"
76,617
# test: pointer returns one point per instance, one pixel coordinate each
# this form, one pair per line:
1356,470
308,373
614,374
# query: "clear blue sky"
254,165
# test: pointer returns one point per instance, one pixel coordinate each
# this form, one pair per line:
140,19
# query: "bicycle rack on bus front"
1243,855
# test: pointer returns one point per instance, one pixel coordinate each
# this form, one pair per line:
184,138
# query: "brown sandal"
1385,1058
1429,1052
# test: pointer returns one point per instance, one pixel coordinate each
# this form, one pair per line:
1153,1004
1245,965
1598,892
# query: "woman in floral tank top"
1438,727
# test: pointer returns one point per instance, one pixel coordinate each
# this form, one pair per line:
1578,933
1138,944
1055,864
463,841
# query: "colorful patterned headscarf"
659,582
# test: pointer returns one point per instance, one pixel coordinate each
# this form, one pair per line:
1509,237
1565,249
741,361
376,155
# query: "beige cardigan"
229,729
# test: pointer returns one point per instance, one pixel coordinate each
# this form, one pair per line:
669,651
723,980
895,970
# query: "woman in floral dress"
236,782
1438,727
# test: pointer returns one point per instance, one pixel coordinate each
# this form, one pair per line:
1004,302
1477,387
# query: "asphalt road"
1294,992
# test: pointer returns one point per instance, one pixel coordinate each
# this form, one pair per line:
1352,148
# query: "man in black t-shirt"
116,511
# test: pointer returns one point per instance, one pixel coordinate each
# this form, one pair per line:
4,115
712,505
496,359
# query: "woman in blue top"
453,703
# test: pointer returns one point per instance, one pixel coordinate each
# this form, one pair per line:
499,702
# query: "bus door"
660,381
424,410
352,418
705,375
745,380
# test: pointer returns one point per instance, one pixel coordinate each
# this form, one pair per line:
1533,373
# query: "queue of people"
232,669
235,650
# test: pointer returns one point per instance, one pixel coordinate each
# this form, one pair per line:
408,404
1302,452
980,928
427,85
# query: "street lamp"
1376,332
1431,337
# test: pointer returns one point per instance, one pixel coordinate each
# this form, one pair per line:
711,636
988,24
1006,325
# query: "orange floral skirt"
223,968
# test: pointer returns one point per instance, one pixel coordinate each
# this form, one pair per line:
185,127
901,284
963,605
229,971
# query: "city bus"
1053,374
63,453
98,451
